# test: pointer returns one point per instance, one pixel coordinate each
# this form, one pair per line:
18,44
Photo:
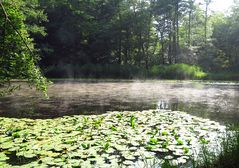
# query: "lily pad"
3,157
106,140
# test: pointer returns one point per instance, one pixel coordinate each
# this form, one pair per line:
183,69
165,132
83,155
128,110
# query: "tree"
207,3
18,57
225,38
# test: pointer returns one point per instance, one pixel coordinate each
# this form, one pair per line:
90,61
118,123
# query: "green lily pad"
7,145
169,157
29,155
3,157
128,162
93,141
129,157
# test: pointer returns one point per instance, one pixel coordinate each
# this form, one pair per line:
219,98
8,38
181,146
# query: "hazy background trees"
81,38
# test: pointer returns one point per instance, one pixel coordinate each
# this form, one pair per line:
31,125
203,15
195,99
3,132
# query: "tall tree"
207,3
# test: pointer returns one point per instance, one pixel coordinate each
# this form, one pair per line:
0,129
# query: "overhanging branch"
7,19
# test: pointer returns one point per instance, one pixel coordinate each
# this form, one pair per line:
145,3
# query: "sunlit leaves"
18,57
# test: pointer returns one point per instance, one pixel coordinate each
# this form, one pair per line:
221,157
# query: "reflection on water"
218,101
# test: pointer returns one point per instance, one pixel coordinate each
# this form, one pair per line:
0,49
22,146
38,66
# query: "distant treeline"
123,38
174,71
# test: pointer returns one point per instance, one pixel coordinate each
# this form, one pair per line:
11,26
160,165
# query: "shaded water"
218,101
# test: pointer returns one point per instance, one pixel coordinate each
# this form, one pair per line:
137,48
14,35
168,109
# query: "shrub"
176,71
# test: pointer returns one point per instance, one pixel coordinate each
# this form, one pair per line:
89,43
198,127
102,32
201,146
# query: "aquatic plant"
132,121
225,156
112,139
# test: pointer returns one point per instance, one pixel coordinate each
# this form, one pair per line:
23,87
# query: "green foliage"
106,146
113,128
186,150
228,155
132,121
114,39
16,135
167,164
223,75
164,133
221,53
153,141
85,145
179,142
18,59
95,71
177,71
212,59
55,142
165,144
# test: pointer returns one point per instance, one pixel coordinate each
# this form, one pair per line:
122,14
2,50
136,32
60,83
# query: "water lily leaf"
75,162
48,153
162,150
3,164
149,155
130,157
7,145
169,157
16,148
128,162
3,157
5,139
181,160
29,155
105,140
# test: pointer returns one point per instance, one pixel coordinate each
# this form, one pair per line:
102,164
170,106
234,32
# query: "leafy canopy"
18,56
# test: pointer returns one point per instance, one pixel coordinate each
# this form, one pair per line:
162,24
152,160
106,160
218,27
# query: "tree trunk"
189,27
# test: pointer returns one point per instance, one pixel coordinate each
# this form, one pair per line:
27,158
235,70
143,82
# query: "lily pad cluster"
114,139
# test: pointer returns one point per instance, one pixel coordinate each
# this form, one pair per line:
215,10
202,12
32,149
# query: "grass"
228,157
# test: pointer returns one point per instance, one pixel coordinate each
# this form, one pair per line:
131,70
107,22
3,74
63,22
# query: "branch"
7,18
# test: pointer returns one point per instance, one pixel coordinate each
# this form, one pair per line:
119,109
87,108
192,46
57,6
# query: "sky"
219,5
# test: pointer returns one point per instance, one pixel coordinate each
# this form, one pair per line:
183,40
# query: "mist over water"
218,101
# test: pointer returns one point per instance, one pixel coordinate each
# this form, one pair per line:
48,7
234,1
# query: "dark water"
218,101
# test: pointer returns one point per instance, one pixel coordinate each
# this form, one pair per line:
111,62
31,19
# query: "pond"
109,123
214,100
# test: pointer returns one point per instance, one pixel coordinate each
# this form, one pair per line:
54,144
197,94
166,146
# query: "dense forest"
115,38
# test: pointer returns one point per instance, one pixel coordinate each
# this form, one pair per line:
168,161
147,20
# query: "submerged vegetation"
114,139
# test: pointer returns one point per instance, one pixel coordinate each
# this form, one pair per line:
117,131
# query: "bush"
176,71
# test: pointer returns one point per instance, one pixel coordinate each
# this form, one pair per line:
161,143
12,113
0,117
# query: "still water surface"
218,101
